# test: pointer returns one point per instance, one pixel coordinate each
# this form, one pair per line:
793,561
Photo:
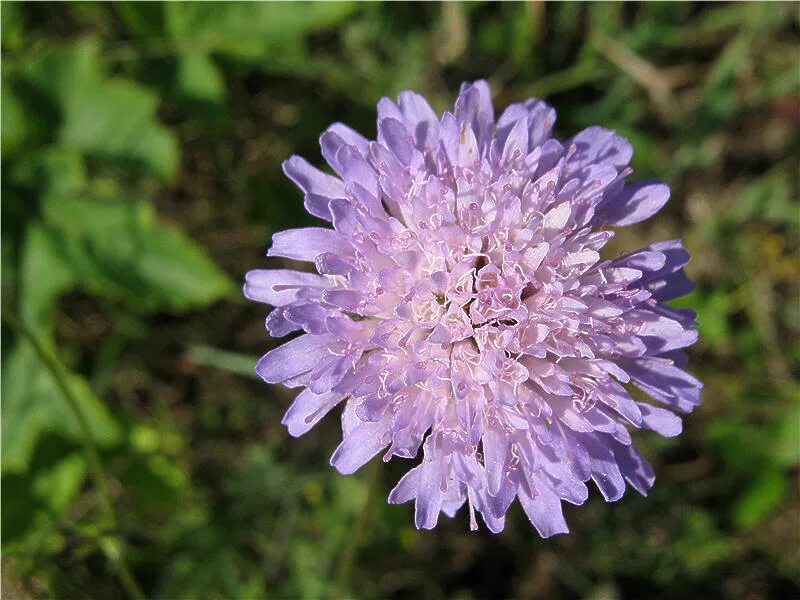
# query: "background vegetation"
141,150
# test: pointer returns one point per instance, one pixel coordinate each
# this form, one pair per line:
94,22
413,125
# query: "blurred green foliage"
141,145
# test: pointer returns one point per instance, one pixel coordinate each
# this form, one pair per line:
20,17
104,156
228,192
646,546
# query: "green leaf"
13,26
118,250
199,78
15,121
59,71
34,501
148,483
33,405
29,393
32,401
787,447
760,499
116,119
27,116
43,277
58,485
53,170
145,19
110,118
250,30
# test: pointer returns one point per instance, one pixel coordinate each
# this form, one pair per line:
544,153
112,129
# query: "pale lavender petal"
308,243
495,448
320,188
293,358
311,317
393,134
541,120
671,286
279,287
474,107
429,493
635,468
406,488
661,420
420,120
636,202
544,511
337,137
664,333
360,445
278,325
600,146
499,503
307,410
605,471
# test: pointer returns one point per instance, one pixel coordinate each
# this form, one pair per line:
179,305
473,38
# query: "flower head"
461,305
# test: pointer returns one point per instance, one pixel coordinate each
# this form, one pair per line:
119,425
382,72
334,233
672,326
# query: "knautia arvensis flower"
460,304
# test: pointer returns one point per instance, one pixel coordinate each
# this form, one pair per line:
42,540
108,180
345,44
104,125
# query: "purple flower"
461,305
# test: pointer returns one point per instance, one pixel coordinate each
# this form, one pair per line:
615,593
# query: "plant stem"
59,374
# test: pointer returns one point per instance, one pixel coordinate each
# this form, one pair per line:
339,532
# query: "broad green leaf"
199,78
44,276
110,118
250,30
27,119
151,482
116,119
20,507
33,404
59,484
13,26
60,71
15,122
145,19
53,170
35,499
117,249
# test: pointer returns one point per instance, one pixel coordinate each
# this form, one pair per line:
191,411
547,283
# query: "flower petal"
544,510
320,188
308,243
293,358
636,202
359,445
660,420
307,410
279,287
